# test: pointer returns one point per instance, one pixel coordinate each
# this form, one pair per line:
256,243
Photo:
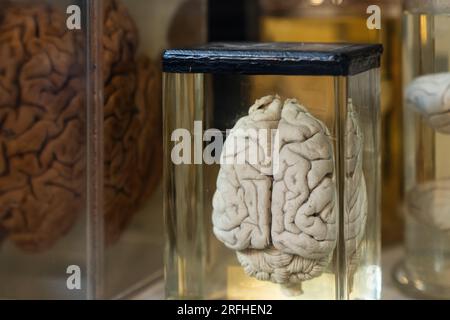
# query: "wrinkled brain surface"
43,123
279,212
430,96
132,120
282,223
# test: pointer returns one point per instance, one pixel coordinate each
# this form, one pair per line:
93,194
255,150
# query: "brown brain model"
133,130
43,127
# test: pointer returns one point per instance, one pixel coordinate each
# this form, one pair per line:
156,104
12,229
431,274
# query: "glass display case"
275,196
356,21
426,267
81,134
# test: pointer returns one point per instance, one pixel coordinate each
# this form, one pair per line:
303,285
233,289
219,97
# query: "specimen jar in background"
426,267
346,21
80,99
301,221
134,251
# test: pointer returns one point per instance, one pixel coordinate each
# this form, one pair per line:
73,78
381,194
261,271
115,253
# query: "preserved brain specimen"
43,123
132,120
280,212
430,96
281,218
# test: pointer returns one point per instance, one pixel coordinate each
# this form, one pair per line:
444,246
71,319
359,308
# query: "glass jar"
272,196
81,184
346,21
426,267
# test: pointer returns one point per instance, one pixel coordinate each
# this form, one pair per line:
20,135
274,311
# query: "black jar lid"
324,59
